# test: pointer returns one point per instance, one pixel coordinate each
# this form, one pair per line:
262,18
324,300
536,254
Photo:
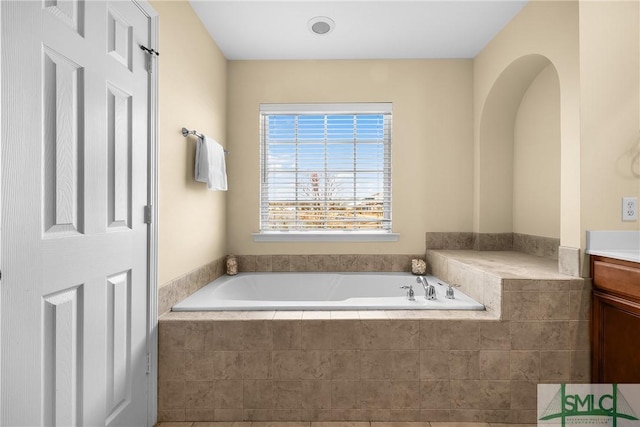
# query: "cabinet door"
616,339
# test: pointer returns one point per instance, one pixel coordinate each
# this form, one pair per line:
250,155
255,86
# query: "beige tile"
228,364
434,334
298,263
474,416
175,424
345,315
287,394
195,334
495,394
405,365
258,415
348,263
406,416
287,365
523,395
511,425
171,415
434,364
464,335
579,335
257,335
499,416
465,394
258,394
316,414
199,394
555,366
494,365
170,395
525,335
171,336
464,364
340,424
527,417
246,263
554,335
525,365
376,414
345,394
171,365
522,305
228,394
316,364
404,394
375,364
264,263
434,415
316,394
316,315
399,424
580,366
280,424
375,394
459,424
345,365
345,335
257,365
223,424
376,334
287,334
400,263
580,305
280,263
316,334
199,366
288,315
554,305
340,415
435,394
226,336
229,415
404,334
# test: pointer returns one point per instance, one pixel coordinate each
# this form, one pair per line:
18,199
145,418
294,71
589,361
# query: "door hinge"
148,363
148,214
151,53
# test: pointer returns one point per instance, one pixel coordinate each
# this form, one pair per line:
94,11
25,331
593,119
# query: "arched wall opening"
518,157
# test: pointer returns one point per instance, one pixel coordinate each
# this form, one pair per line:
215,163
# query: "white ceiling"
377,29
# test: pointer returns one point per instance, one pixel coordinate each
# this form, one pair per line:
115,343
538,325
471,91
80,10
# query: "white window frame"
329,235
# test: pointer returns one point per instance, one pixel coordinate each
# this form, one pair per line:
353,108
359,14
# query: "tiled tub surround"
325,263
181,287
380,365
534,245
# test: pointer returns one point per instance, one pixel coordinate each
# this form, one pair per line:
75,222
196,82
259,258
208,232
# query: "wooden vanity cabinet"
615,326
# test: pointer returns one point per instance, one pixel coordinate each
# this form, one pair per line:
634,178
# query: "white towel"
210,164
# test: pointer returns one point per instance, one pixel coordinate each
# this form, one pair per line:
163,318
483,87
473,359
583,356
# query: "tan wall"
549,30
432,142
192,89
610,109
536,163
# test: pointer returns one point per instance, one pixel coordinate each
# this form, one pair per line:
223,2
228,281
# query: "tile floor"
336,424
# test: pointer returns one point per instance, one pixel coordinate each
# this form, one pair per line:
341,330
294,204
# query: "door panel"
74,173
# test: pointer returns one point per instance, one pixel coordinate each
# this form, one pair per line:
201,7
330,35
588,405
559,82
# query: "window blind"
325,168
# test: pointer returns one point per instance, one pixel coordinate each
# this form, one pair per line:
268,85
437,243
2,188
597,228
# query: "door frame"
152,200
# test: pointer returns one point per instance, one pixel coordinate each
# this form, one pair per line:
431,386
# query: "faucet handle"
410,293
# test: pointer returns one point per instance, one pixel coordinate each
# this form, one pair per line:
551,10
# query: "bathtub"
321,291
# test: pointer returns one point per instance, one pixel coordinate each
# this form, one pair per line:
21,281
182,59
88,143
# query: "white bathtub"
321,291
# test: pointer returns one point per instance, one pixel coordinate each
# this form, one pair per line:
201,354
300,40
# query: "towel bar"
186,132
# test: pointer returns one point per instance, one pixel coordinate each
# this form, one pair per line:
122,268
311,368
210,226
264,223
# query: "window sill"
291,236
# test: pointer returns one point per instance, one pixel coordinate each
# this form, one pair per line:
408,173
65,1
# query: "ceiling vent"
321,25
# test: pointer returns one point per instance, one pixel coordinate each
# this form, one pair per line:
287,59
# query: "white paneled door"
75,183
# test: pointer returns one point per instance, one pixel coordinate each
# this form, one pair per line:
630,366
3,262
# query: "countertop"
622,245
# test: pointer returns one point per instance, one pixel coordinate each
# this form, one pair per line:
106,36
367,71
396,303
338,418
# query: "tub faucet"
429,289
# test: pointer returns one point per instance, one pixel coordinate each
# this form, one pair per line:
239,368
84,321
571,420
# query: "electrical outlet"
629,208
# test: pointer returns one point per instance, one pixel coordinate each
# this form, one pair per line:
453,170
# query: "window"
326,168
